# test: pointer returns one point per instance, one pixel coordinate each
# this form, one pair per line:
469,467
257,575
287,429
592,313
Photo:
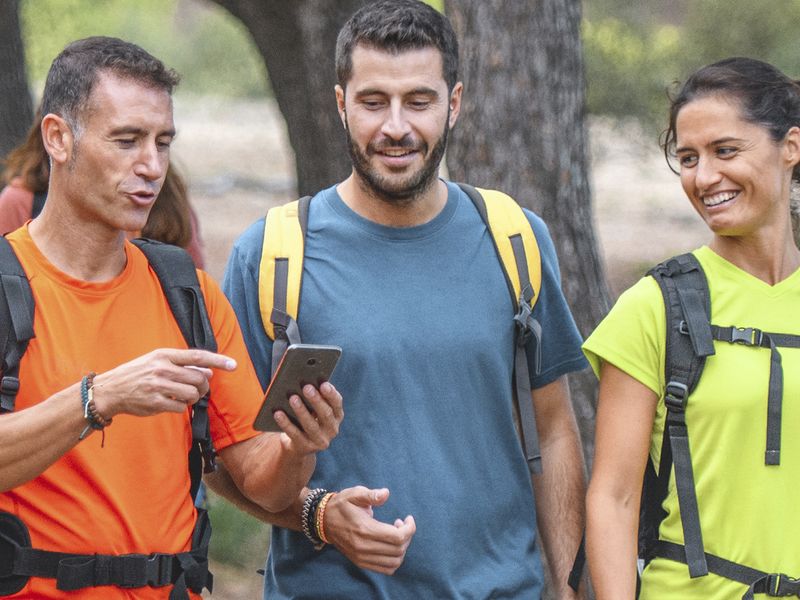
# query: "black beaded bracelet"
308,516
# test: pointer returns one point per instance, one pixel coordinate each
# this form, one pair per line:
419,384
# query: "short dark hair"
395,26
766,96
75,70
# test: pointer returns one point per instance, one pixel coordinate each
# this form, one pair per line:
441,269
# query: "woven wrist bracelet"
308,515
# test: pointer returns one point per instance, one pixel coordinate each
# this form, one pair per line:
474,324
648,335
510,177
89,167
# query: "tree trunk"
16,107
297,39
522,131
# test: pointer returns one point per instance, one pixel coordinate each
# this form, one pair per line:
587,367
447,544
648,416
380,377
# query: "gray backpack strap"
689,341
16,322
526,326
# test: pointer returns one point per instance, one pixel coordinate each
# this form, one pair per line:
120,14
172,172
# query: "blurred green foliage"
238,539
211,49
635,52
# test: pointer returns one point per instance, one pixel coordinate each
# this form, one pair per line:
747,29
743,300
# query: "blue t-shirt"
424,319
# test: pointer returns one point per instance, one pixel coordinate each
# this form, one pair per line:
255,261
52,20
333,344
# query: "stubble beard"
401,191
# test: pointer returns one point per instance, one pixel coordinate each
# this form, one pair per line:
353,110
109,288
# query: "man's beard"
401,190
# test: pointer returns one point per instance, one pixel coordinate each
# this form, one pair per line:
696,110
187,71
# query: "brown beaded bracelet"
94,420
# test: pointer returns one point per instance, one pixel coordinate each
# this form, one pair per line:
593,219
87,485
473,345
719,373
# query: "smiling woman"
718,529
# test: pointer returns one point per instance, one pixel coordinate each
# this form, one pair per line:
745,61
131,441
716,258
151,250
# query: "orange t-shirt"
131,496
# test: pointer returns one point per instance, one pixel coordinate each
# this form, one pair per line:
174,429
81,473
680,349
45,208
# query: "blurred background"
239,157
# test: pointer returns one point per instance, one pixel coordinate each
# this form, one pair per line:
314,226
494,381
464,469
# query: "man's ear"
58,138
455,102
340,104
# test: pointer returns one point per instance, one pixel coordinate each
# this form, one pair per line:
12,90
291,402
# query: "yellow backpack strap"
519,255
281,272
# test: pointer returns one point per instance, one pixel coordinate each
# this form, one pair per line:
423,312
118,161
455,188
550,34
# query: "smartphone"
301,364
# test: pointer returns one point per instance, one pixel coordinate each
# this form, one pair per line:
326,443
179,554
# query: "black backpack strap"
759,582
39,198
688,342
526,326
750,336
16,322
286,330
184,571
177,275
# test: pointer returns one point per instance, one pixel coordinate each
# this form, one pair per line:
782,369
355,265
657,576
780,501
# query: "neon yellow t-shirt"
748,511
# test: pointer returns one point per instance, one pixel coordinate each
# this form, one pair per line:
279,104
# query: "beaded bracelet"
321,516
94,420
308,515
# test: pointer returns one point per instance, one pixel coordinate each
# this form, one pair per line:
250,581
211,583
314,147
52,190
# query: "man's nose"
151,163
396,125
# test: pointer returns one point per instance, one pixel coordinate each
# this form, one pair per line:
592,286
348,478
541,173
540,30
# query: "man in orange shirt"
107,128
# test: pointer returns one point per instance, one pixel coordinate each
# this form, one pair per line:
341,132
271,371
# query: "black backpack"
18,561
689,342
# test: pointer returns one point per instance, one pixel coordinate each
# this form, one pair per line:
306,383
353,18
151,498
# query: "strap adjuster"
780,585
9,385
675,395
522,322
158,569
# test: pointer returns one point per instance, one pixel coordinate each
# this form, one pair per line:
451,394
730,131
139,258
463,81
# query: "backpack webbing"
690,337
16,322
178,278
524,296
177,275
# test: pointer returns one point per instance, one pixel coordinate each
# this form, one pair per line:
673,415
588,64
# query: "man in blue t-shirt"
434,498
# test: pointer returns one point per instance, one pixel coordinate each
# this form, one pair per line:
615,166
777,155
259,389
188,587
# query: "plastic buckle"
746,335
780,585
9,385
675,395
158,569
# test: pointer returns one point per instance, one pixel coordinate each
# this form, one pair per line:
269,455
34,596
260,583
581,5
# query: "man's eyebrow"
130,130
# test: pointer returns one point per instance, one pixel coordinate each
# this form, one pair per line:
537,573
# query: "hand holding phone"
301,364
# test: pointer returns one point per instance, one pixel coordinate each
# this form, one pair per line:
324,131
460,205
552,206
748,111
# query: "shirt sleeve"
240,285
632,336
236,396
561,342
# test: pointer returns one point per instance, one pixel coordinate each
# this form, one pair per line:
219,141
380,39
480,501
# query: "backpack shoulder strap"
177,275
518,253
688,343
16,322
39,198
514,242
281,273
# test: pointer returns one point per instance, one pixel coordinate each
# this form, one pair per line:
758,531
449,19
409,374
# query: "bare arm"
560,487
625,414
272,468
161,381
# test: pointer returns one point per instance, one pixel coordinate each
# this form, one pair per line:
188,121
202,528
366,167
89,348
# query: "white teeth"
396,152
716,199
